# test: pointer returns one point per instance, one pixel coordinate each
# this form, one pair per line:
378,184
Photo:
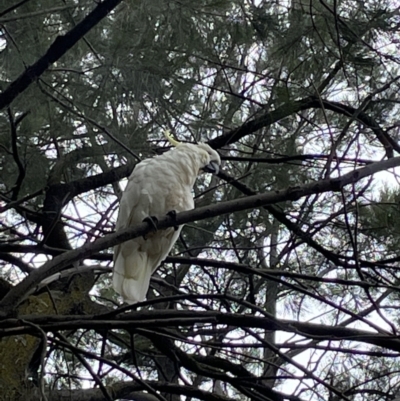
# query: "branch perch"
14,297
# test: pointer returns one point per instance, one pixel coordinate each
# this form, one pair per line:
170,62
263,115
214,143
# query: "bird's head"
210,160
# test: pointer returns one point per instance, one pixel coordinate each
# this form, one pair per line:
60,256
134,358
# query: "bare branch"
311,102
23,289
58,48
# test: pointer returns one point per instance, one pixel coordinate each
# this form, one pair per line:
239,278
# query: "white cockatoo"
156,187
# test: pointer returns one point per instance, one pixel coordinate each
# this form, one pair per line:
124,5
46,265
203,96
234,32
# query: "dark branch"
56,50
23,289
172,318
132,391
16,262
14,147
271,117
83,185
58,195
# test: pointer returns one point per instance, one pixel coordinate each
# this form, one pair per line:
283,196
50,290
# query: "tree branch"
58,195
14,147
271,117
24,288
132,391
56,50
146,319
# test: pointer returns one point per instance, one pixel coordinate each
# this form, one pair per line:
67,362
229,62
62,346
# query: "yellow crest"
171,139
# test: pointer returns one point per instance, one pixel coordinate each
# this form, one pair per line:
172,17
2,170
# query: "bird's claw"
152,221
172,214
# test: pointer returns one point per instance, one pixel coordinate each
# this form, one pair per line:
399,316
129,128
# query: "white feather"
155,187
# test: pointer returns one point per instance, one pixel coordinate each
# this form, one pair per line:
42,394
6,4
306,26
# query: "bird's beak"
212,167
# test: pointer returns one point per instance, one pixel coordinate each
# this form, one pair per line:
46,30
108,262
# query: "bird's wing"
137,261
152,190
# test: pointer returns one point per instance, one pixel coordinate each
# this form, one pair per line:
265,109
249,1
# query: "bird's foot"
172,214
152,221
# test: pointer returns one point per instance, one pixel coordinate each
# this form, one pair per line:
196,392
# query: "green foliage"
381,219
295,93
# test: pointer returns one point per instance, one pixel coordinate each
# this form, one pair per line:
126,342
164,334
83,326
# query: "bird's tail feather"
131,276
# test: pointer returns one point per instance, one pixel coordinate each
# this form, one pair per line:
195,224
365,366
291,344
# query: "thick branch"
16,262
132,391
23,289
312,102
56,50
58,195
14,147
83,185
146,319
